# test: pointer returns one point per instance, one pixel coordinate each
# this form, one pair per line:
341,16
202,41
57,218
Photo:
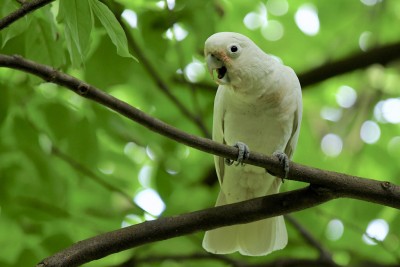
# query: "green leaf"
113,28
41,44
78,20
15,28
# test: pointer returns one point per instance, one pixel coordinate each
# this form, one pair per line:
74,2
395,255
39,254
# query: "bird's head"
229,54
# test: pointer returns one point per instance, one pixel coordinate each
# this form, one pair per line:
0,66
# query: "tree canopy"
72,169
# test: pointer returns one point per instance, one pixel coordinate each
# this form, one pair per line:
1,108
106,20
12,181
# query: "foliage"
70,169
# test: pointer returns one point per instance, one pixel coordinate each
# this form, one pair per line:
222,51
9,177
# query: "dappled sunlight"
135,153
144,176
377,229
307,19
370,2
391,110
273,30
331,114
334,230
77,163
130,17
394,146
106,167
195,71
346,96
257,19
176,32
370,132
331,145
277,7
149,200
150,153
170,4
364,42
131,219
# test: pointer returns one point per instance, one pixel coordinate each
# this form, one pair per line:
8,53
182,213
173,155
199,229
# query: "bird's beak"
214,63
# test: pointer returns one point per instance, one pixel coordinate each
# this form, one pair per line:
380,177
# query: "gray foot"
244,153
284,161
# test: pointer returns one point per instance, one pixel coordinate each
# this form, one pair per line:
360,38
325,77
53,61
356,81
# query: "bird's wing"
294,91
218,130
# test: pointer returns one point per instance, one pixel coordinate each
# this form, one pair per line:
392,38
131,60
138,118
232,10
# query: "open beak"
214,63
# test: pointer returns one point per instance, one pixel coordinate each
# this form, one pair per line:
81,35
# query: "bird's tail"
253,239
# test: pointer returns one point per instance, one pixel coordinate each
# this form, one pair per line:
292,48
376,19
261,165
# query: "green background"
70,168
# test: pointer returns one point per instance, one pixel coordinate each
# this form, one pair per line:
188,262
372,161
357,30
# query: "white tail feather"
253,239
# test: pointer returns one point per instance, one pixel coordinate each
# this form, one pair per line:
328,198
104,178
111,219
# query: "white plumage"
259,103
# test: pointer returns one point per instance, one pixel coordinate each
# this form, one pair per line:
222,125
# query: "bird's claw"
284,161
244,153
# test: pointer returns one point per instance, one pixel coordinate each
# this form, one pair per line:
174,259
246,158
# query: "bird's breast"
260,127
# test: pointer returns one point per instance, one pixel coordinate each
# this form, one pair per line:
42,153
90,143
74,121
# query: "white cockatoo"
258,107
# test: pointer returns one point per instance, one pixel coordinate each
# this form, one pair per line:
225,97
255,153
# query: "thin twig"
310,239
82,169
25,8
161,84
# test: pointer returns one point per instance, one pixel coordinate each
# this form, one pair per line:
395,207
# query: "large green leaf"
112,26
77,18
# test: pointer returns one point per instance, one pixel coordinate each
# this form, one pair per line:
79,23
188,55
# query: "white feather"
261,107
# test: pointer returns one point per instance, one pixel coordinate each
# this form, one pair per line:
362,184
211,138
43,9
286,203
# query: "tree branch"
26,8
169,227
384,193
161,84
379,55
227,260
324,254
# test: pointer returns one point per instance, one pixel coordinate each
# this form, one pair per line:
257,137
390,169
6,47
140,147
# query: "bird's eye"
234,48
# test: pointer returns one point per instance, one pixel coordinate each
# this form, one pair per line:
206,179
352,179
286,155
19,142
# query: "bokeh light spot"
130,17
370,132
364,40
176,32
253,21
277,7
346,96
331,145
150,201
195,71
377,229
334,230
331,114
307,19
370,2
273,30
391,110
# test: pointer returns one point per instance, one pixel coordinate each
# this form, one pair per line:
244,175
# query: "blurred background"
71,169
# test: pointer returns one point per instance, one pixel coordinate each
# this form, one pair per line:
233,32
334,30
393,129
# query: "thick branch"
169,227
379,55
26,8
287,262
383,193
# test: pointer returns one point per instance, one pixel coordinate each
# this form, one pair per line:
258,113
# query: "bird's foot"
244,153
284,161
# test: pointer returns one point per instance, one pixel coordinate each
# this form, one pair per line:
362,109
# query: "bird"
257,107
